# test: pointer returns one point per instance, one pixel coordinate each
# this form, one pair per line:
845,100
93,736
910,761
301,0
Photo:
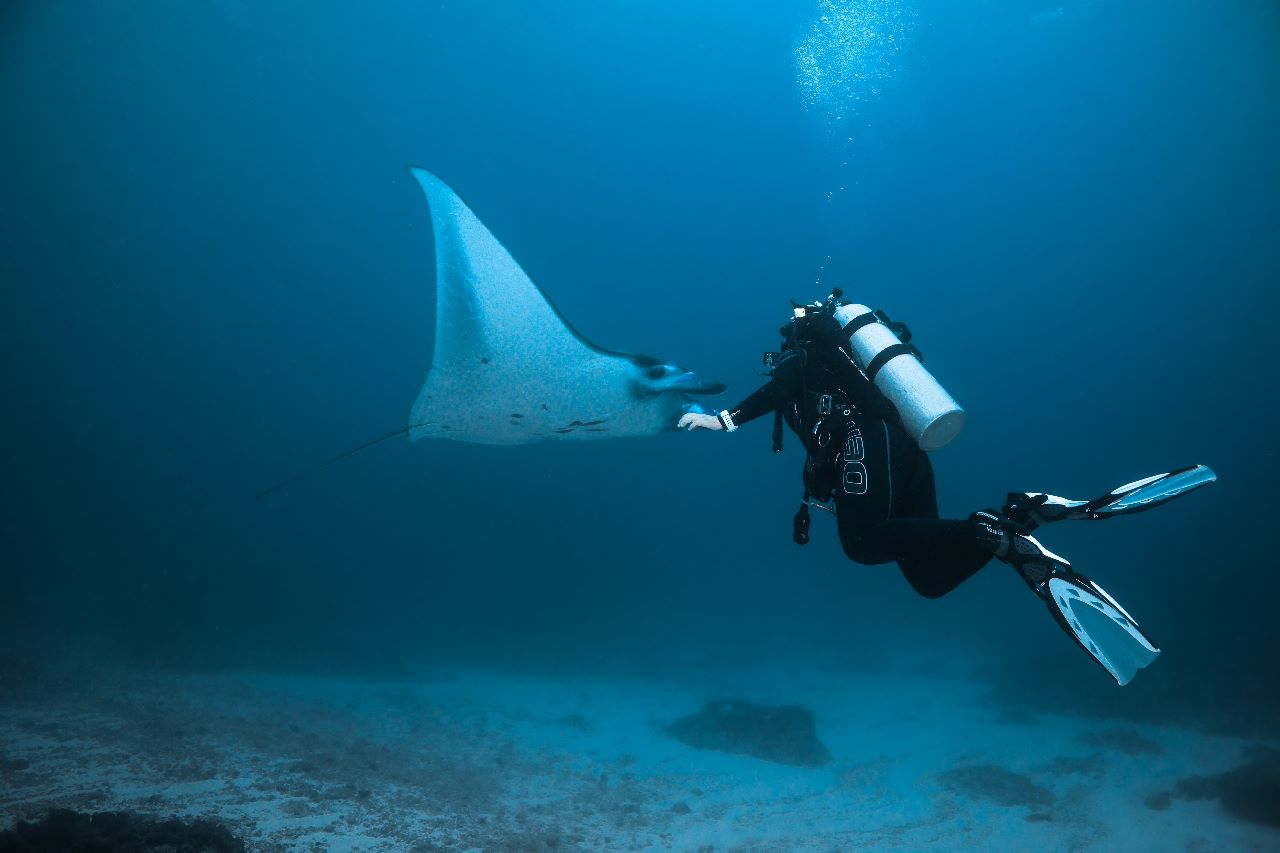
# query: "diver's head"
808,322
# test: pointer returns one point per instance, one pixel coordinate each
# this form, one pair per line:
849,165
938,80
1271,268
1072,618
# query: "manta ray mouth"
691,383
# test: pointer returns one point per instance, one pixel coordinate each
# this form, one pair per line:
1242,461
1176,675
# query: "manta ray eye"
657,371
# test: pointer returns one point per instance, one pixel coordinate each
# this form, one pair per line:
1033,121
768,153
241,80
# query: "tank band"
858,322
886,355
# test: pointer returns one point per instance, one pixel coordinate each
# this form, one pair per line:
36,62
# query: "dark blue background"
217,272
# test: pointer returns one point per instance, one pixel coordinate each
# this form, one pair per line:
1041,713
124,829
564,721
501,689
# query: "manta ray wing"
508,368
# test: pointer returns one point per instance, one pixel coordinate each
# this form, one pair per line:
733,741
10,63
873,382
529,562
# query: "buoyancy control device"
882,350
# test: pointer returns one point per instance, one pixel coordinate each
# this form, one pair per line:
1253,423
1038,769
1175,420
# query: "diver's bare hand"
691,421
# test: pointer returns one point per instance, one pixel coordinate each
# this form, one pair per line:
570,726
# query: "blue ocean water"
217,272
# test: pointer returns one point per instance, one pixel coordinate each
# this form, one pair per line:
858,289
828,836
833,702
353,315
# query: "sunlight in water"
848,54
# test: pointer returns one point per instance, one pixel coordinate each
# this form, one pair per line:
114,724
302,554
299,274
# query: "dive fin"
1028,510
1150,492
1093,619
1099,625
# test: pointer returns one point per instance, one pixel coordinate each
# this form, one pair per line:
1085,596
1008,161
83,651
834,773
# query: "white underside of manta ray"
509,369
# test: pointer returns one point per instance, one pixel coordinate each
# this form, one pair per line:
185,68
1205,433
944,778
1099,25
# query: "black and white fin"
1100,626
1138,496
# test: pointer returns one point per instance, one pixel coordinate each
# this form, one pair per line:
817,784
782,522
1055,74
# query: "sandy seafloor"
487,760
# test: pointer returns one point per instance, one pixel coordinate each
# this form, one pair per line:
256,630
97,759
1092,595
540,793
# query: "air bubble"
849,54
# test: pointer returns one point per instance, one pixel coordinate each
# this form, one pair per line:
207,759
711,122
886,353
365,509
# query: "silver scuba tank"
930,415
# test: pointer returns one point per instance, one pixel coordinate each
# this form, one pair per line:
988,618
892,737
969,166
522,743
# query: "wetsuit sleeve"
779,390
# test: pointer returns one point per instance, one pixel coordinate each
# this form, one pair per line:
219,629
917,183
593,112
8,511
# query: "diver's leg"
941,557
896,517
935,555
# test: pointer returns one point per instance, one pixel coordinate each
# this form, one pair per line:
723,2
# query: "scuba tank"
929,414
881,349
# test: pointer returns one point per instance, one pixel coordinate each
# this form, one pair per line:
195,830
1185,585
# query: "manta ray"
508,368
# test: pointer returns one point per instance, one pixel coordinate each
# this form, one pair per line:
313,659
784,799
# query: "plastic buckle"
824,404
829,506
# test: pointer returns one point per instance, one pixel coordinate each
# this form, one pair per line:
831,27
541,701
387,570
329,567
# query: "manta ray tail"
325,464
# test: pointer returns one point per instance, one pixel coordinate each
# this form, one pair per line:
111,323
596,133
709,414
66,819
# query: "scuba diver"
851,386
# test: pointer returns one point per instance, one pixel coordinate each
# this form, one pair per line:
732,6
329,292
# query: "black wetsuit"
881,481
